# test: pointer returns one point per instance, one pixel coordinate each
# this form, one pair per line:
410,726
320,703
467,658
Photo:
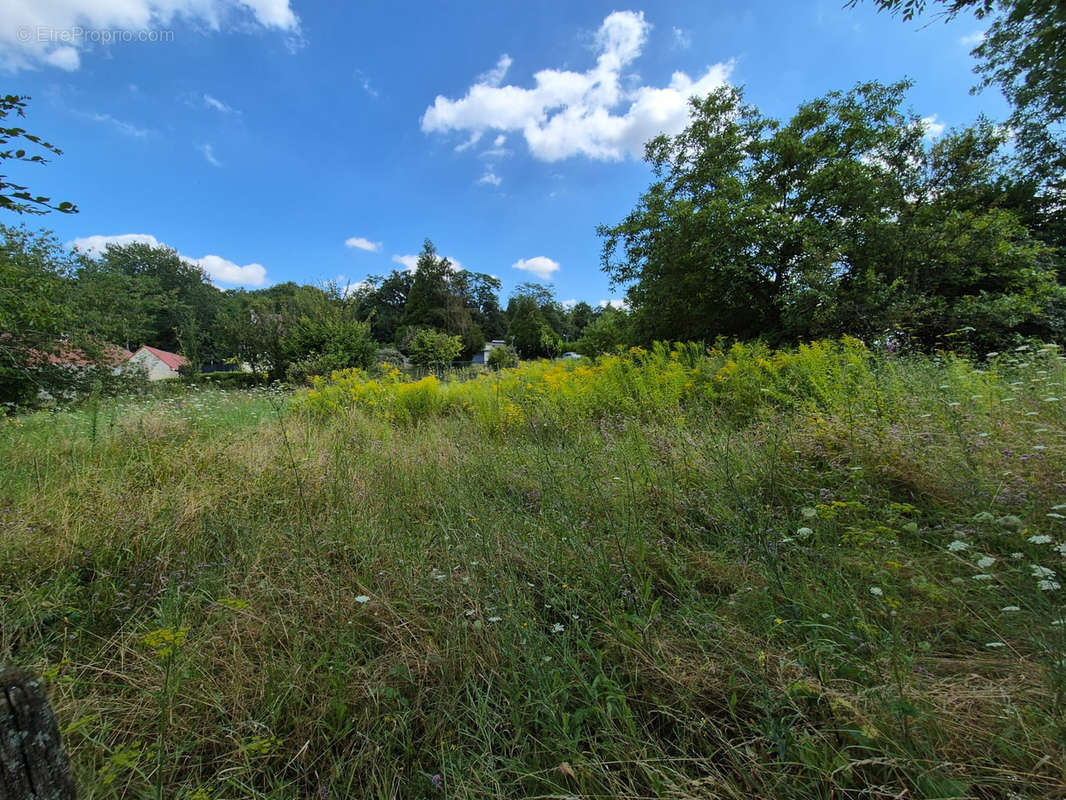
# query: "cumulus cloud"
932,127
222,270
39,34
217,268
209,155
973,39
490,178
360,243
541,266
614,302
590,113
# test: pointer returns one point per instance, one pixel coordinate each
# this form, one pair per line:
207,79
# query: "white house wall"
153,367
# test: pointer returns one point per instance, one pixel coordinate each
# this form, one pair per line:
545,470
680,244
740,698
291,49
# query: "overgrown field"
826,573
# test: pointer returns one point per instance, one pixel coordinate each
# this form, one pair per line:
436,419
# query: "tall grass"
666,573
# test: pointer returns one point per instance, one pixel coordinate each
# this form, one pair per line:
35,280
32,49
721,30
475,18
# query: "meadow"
829,572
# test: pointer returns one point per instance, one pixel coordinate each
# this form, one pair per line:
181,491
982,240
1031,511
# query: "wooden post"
33,764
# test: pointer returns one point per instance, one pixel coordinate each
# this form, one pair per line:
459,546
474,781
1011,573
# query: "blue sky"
275,140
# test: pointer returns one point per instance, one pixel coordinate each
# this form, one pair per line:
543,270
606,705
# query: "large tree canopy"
845,219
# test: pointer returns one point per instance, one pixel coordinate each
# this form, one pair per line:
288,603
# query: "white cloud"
568,304
973,39
218,269
209,154
614,302
499,141
541,266
218,105
125,128
360,243
65,58
55,33
223,271
95,245
495,76
410,262
932,128
588,113
490,178
682,39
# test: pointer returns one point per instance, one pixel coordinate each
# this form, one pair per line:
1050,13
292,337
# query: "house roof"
172,360
109,354
61,353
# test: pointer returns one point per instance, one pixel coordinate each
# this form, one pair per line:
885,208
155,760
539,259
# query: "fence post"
33,764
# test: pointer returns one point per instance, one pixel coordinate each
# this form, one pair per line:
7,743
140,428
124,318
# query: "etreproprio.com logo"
79,35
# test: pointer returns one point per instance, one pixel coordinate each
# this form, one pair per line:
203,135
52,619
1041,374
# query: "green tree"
15,196
843,219
450,300
175,294
529,331
430,348
581,316
609,331
38,315
502,358
120,308
382,301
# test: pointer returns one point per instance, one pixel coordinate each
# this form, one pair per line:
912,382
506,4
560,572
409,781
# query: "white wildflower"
1041,572
362,599
1047,586
1010,609
958,545
494,619
876,591
558,628
986,562
983,576
1039,539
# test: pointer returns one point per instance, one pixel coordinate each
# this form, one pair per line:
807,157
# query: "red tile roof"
172,360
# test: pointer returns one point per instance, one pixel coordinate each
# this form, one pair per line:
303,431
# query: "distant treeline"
54,300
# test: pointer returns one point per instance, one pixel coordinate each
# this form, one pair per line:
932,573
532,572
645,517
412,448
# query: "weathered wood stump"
33,764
